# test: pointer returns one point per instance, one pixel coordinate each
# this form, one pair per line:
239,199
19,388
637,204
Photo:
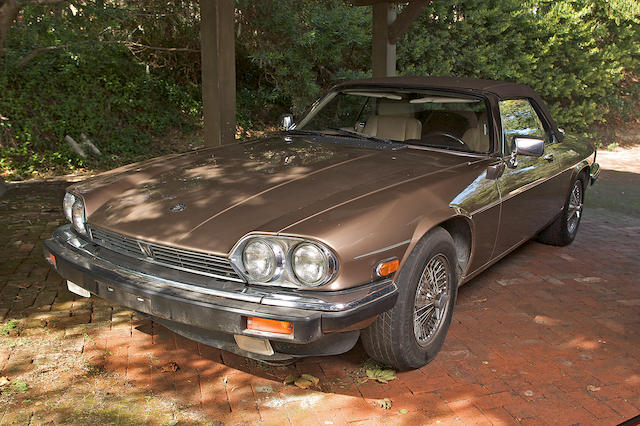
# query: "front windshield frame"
329,96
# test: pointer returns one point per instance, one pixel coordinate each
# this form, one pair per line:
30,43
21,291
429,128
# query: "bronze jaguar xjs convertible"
360,220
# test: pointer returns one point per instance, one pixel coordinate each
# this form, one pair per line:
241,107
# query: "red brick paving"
546,336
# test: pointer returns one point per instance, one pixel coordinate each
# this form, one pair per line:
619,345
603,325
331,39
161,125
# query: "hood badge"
146,249
177,208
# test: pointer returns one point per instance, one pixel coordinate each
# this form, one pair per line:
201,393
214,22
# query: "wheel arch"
583,168
461,229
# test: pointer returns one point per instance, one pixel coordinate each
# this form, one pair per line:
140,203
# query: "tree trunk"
8,13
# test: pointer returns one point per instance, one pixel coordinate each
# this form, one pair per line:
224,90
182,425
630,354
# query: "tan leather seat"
475,137
393,127
395,120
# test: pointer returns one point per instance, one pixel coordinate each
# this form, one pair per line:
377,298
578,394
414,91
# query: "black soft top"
502,89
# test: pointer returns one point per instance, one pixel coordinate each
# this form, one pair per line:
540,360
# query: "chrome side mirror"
287,121
529,146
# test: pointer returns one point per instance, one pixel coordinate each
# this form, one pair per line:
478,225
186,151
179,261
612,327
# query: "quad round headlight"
260,260
67,204
310,264
77,216
282,260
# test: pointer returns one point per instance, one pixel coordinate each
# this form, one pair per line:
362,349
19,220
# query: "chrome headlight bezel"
67,204
284,247
78,216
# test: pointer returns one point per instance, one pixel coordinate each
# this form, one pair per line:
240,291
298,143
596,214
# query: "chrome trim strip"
340,302
530,185
401,243
491,205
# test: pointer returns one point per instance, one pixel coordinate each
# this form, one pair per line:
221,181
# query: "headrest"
401,108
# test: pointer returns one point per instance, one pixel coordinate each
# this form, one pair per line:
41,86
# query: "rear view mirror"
287,121
529,146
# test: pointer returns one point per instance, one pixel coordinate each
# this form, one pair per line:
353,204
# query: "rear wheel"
411,333
565,228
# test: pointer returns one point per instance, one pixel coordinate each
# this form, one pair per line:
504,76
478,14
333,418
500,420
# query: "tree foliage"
126,73
575,53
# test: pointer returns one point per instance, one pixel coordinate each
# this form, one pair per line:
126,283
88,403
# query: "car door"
530,191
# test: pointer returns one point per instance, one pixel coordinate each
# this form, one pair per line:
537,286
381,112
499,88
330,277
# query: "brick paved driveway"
548,335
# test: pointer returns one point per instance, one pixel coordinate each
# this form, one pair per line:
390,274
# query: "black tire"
391,339
563,231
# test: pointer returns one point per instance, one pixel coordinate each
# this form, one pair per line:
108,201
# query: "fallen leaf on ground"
170,367
382,376
290,379
370,364
385,404
4,381
303,383
20,386
312,379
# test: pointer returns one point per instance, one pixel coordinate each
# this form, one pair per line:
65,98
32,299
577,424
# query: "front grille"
191,261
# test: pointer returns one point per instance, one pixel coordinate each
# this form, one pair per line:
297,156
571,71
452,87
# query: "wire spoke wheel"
431,299
575,207
410,334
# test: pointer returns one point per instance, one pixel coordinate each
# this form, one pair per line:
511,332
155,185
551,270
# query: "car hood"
206,200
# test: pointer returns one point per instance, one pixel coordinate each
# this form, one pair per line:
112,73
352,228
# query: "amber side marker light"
269,326
387,267
52,260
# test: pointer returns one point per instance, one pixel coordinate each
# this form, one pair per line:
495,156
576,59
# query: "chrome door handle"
548,157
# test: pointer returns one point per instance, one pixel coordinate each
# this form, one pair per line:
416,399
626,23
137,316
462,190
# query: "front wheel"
565,228
411,334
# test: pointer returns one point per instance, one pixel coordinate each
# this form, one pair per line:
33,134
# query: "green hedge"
574,53
94,86
581,55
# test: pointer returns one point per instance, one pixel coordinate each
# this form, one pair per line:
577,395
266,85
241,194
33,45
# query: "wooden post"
217,43
383,55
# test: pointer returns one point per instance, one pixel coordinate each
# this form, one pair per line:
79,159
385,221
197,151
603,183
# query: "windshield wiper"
304,132
354,138
445,147
361,135
345,132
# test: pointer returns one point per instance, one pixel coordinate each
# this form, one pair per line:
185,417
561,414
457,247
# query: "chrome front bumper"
209,303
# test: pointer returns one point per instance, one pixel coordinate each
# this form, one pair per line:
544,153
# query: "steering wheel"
447,135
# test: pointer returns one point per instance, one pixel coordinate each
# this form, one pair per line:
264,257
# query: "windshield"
427,118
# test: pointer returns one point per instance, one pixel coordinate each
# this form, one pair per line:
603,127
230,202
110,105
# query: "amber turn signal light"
387,267
52,260
269,326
